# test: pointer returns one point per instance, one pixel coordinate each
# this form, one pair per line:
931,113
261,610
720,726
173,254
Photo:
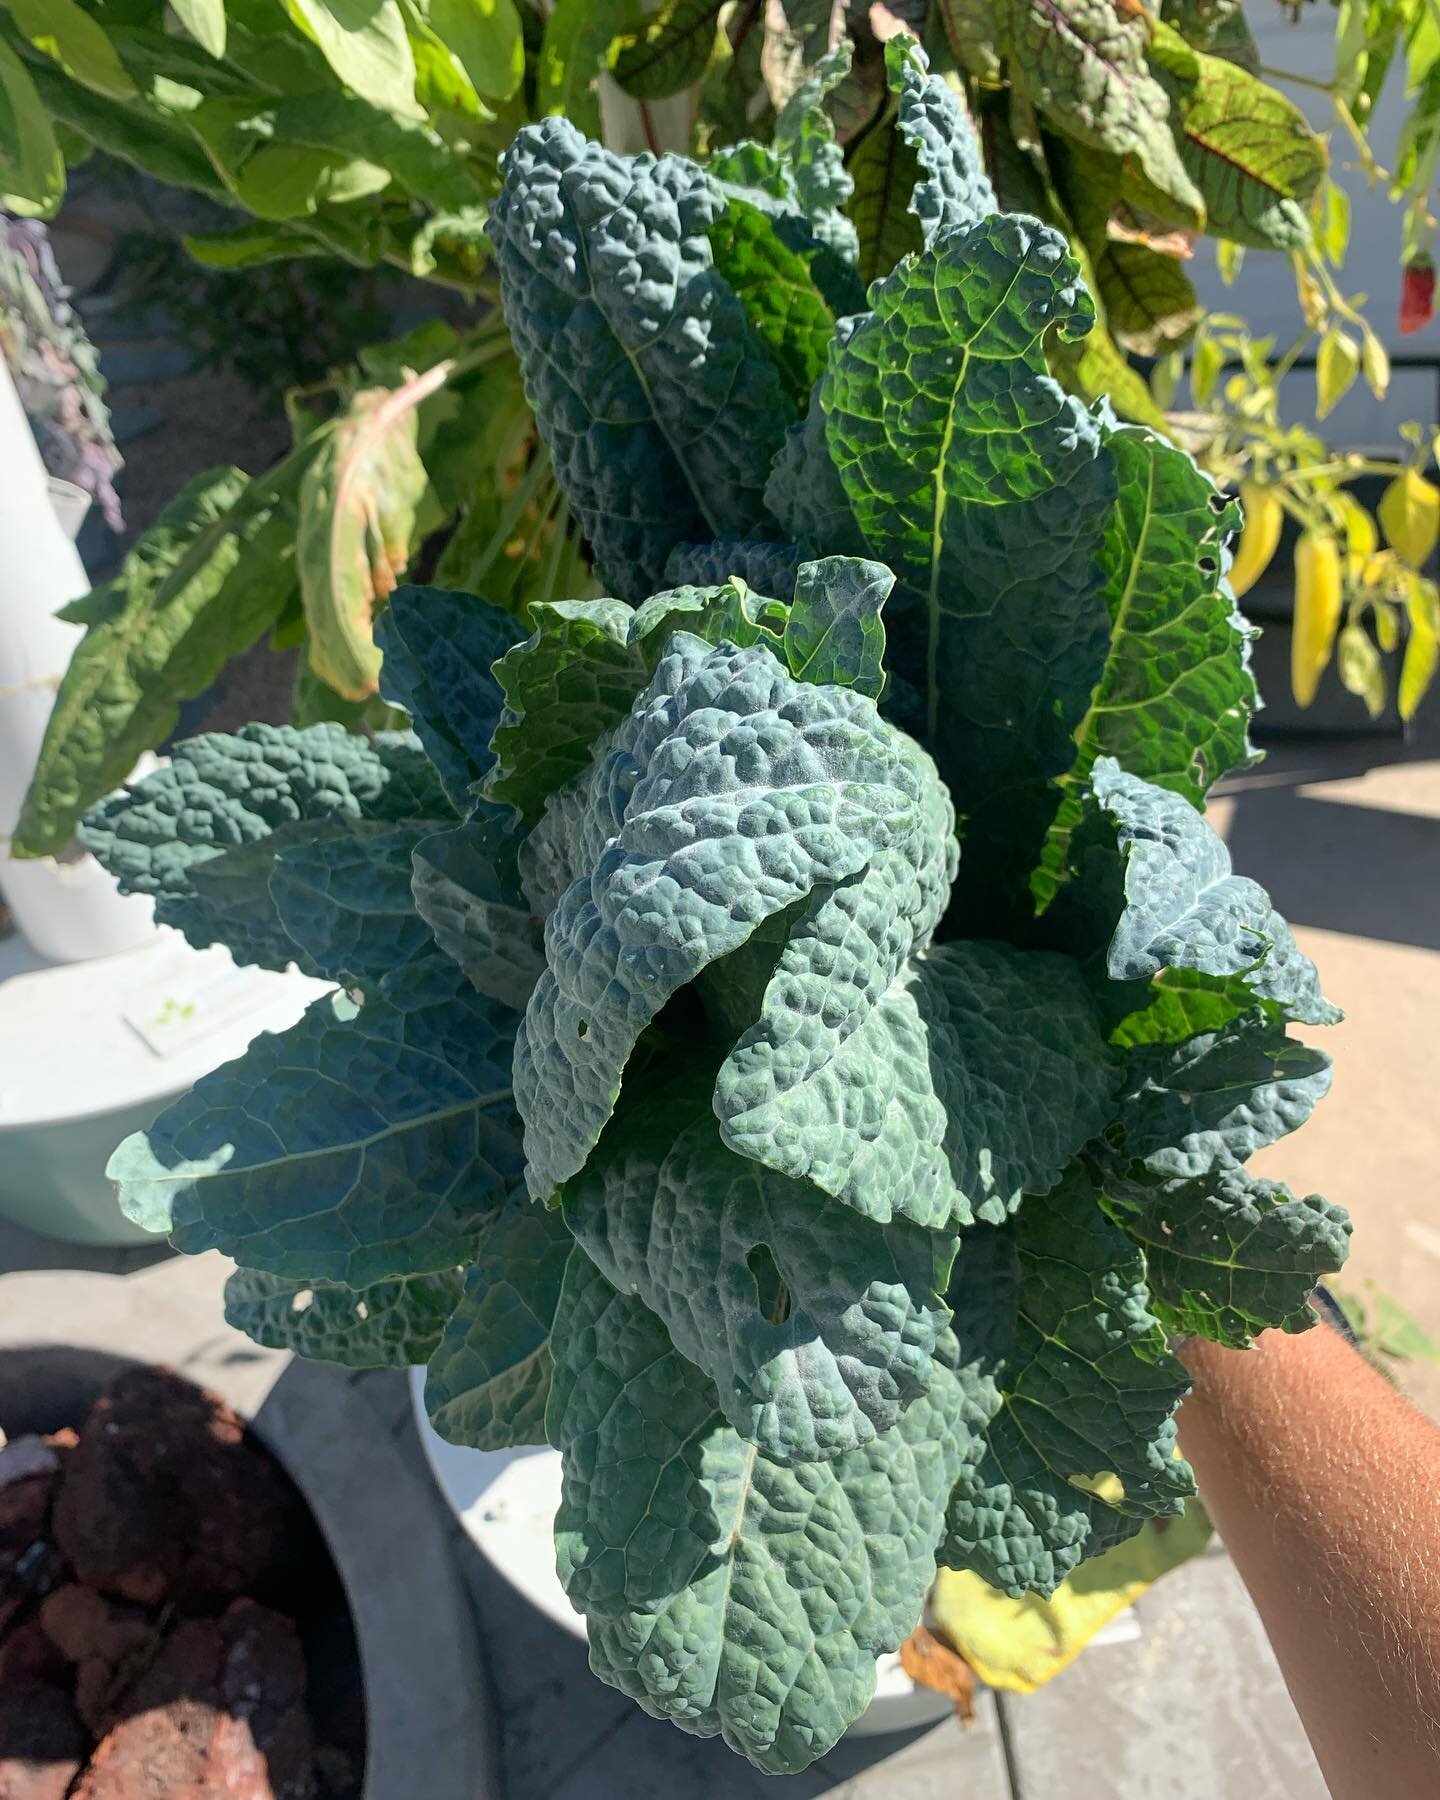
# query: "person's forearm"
1325,1485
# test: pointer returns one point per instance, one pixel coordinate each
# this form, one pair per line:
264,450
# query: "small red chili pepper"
1417,295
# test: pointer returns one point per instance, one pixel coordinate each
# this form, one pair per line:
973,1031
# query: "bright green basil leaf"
438,649
249,246
391,1325
78,42
202,584
488,1382
1211,1102
952,188
659,404
365,44
486,38
1050,1307
733,1594
32,169
416,1148
1185,908
466,886
573,54
975,1079
1176,696
817,1327
1228,1255
988,490
205,21
145,131
729,794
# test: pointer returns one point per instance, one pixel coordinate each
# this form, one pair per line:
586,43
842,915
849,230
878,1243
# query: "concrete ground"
1346,836
1187,1685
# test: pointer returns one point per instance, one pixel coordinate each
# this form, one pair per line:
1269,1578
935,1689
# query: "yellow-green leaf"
1422,647
77,42
485,38
1021,1644
1336,366
1361,539
365,44
1360,669
1410,516
1375,362
358,508
32,170
1228,259
204,20
1206,363
1334,214
578,34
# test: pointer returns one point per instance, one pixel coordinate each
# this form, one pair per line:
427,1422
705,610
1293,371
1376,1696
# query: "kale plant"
797,1041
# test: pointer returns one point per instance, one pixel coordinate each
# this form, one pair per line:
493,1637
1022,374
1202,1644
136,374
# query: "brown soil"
171,1626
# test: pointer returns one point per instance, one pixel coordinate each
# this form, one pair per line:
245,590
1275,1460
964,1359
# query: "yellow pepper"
1020,1644
1317,611
1263,518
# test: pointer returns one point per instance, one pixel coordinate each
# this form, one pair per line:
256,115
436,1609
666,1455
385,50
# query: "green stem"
1306,81
538,472
1347,465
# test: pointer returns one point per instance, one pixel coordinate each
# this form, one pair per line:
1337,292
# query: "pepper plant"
797,1041
376,139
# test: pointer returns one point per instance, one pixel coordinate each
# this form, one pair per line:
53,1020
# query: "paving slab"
1345,833
1193,1704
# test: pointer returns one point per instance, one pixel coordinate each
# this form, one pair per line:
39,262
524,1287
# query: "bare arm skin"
1325,1485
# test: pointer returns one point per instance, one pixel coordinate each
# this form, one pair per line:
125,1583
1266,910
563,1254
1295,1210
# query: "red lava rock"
167,1498
109,1643
29,1477
218,1715
28,1654
42,1741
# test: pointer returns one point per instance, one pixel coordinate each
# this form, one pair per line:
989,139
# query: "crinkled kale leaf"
801,1042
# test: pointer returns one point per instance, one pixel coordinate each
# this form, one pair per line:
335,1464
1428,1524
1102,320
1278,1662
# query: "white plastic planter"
91,1051
68,909
506,1501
